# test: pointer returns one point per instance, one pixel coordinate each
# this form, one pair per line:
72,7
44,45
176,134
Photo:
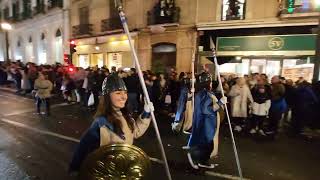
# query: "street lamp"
6,27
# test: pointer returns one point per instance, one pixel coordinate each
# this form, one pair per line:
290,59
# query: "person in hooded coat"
203,142
113,122
182,103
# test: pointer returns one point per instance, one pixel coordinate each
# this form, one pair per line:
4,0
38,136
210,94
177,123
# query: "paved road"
38,147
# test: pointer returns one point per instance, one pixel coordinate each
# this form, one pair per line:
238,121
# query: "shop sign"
285,45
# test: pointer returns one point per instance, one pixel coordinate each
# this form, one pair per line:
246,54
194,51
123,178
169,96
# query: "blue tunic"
204,120
181,104
89,142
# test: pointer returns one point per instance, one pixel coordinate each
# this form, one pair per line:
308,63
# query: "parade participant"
113,123
203,142
184,108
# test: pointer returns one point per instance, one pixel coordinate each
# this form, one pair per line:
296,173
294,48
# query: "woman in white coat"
240,95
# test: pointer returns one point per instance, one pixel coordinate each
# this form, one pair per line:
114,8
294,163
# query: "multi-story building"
163,33
40,31
275,37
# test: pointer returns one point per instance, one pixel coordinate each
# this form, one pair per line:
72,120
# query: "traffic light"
73,47
290,5
66,59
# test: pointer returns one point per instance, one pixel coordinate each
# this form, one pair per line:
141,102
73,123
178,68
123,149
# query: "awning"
270,45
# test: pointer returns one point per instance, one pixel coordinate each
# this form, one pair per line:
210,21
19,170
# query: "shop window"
84,61
115,59
233,10
258,66
295,68
273,68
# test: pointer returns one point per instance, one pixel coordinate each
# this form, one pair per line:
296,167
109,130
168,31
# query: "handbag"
91,100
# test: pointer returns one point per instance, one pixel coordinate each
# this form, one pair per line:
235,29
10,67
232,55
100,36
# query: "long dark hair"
105,109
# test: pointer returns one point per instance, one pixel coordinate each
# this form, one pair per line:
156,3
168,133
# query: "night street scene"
159,89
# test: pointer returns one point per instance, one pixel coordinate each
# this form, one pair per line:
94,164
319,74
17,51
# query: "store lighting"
238,58
97,48
6,26
124,37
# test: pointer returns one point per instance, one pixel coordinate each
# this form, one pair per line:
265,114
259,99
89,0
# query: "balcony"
55,4
40,8
170,15
81,30
110,24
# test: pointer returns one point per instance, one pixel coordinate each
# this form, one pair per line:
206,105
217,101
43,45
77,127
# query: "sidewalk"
7,89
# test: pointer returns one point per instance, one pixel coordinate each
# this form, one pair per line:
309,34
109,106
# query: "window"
6,13
84,15
58,33
58,47
233,10
300,6
43,36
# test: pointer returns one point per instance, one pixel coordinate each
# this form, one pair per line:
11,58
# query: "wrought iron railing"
55,3
110,24
82,29
157,16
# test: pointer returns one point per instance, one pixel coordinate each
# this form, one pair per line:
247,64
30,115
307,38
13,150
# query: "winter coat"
239,101
278,102
261,101
102,132
44,88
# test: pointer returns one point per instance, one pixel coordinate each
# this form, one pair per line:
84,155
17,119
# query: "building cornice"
255,24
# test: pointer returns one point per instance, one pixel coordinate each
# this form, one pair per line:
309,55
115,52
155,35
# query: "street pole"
317,60
7,46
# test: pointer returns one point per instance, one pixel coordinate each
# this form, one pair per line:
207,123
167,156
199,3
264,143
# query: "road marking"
21,125
39,131
225,176
20,99
33,109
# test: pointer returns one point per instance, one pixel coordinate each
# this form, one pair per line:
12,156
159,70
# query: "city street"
39,147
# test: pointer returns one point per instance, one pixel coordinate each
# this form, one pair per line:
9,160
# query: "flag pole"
123,19
212,46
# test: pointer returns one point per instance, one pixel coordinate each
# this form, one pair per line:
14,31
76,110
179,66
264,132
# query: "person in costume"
203,142
184,108
113,123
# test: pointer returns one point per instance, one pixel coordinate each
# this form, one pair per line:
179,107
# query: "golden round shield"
116,162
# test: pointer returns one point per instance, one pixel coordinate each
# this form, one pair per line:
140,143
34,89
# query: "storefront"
107,51
272,53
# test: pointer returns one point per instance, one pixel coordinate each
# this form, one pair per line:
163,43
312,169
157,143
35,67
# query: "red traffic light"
70,69
72,42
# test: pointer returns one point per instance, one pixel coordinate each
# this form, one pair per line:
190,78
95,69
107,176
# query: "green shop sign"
273,45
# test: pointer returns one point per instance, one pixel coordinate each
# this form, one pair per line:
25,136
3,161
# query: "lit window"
233,10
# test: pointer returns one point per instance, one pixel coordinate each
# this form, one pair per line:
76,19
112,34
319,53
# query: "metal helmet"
113,83
204,78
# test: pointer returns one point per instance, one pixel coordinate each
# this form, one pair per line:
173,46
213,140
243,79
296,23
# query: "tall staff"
118,5
193,78
213,49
